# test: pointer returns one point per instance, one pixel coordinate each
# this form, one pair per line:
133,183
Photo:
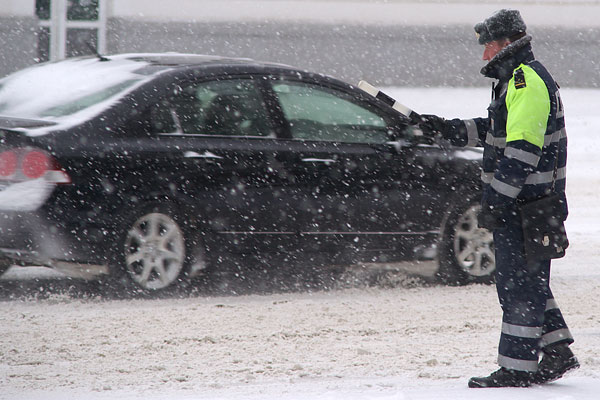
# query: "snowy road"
405,342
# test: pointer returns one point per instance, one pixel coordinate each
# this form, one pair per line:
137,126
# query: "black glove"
492,217
434,126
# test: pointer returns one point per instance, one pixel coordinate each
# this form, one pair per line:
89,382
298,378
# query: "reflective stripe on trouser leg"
555,328
522,290
520,365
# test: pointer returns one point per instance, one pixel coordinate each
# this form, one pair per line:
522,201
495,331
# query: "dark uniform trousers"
531,318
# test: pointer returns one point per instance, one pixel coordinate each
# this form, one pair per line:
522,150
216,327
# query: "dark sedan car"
157,167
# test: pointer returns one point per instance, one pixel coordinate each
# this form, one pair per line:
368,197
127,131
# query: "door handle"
326,161
207,155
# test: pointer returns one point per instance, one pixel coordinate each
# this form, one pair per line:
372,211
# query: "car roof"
183,60
157,63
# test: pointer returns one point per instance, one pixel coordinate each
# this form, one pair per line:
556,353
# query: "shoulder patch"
519,76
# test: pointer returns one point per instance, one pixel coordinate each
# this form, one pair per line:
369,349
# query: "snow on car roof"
40,91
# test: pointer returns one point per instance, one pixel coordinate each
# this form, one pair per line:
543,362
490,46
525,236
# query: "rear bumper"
72,269
32,238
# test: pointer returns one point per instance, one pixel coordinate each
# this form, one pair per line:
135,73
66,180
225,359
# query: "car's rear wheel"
466,252
153,250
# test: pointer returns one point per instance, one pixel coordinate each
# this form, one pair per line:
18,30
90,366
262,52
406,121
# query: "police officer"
524,142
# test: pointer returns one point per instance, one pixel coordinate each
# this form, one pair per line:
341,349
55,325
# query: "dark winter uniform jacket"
523,134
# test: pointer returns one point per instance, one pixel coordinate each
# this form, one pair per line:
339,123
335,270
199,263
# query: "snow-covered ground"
404,342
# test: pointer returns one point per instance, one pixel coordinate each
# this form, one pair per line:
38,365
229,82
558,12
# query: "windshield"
57,90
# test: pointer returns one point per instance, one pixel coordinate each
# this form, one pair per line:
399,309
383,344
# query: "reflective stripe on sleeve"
500,142
495,141
519,365
522,155
472,134
522,331
505,188
555,137
546,177
536,178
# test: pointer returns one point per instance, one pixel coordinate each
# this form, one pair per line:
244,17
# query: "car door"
220,133
356,193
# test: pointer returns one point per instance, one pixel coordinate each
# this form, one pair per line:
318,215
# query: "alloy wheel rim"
473,246
154,251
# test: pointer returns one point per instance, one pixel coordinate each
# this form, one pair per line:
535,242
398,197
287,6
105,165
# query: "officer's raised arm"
460,132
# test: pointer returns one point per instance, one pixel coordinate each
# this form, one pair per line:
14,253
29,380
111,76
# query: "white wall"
20,8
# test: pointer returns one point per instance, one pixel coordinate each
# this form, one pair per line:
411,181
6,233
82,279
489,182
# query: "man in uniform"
525,155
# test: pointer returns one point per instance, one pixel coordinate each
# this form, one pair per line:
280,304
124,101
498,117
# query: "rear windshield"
67,88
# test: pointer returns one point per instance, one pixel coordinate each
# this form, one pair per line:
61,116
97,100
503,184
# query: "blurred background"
388,42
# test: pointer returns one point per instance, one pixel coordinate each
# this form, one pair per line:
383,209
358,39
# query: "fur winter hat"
502,24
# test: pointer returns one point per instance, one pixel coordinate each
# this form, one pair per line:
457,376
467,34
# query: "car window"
163,118
226,107
76,105
318,113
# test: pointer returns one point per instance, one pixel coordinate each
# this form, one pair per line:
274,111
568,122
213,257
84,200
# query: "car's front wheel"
466,252
153,250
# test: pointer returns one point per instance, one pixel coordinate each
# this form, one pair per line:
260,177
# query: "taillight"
35,164
26,163
8,163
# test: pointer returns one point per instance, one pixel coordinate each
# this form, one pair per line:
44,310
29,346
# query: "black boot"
504,378
557,361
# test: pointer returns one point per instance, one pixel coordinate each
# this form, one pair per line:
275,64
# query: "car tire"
153,249
466,252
